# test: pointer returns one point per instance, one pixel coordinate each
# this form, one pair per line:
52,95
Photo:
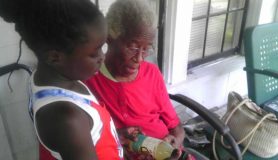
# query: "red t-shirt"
143,102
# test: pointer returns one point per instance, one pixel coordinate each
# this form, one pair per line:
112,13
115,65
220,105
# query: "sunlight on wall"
177,36
267,14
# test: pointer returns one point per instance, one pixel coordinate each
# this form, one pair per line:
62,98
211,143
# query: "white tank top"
41,96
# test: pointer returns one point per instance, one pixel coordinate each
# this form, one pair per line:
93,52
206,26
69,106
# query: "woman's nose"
139,56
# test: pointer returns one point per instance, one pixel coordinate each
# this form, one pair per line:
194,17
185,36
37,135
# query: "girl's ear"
54,58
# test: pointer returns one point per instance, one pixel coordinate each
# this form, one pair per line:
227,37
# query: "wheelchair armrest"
14,66
211,118
266,72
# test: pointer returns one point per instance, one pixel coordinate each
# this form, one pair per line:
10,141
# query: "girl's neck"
49,76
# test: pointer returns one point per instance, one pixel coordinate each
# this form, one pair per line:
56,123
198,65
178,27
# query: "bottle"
159,149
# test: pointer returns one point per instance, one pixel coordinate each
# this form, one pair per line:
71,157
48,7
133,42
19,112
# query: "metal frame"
97,3
161,29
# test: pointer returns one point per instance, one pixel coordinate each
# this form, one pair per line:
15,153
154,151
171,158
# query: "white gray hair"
124,15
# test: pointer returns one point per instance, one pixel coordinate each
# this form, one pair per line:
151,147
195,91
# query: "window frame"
222,54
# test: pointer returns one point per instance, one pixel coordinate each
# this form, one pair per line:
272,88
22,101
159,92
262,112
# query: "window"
216,29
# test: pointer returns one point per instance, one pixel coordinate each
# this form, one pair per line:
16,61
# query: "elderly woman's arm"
176,136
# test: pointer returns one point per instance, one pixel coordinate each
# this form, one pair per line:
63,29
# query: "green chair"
261,56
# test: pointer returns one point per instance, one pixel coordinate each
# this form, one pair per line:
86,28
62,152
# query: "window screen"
216,29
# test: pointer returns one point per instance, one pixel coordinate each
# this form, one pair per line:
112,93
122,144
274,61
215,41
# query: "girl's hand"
128,134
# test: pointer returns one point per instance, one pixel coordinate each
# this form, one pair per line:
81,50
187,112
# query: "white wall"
210,84
17,138
268,11
176,42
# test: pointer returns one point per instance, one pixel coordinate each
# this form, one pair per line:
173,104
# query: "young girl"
67,37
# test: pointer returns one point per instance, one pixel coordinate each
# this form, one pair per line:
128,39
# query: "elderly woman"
132,89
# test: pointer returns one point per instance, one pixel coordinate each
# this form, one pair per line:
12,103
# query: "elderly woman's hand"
171,140
128,134
176,137
179,154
